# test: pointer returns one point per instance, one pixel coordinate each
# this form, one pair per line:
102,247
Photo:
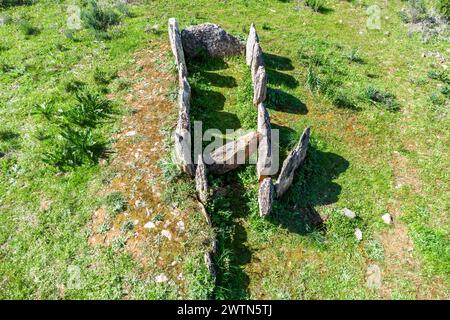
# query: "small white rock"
387,218
348,213
180,226
161,278
149,225
130,133
167,234
358,234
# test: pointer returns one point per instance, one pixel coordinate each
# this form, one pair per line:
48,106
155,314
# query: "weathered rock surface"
211,39
257,60
201,181
291,163
233,154
373,276
177,46
263,166
251,40
387,218
265,197
209,264
348,213
260,86
183,130
358,234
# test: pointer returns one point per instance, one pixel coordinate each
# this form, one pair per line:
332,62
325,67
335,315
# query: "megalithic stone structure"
265,197
233,154
177,46
264,163
260,86
251,40
201,180
291,163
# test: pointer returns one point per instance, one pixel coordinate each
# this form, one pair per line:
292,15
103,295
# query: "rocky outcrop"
211,39
291,163
265,197
260,86
233,154
201,181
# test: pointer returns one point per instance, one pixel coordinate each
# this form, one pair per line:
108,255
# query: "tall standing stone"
257,60
263,166
201,180
265,197
177,46
291,163
251,40
260,86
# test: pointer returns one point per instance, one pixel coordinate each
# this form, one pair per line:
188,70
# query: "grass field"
377,103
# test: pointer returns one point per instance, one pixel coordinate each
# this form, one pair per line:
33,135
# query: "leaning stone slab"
260,86
257,60
183,142
263,166
291,163
233,154
177,46
201,181
184,95
211,39
265,197
251,40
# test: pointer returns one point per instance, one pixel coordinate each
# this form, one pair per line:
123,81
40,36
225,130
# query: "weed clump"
316,5
27,28
116,202
382,97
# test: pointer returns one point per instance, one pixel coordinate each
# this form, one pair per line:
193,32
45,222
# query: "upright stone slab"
260,86
177,46
201,181
263,166
233,154
257,60
265,197
183,130
251,40
291,163
211,39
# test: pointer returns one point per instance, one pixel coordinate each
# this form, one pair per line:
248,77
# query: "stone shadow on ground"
313,186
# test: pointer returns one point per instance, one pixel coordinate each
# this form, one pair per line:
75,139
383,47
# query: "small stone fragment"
387,218
373,276
348,213
161,278
201,181
167,234
149,225
260,86
265,197
358,234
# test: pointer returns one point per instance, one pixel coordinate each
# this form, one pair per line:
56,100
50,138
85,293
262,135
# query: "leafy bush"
316,5
443,6
27,28
99,18
10,3
116,202
379,96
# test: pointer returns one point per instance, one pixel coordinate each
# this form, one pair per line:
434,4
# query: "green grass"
365,94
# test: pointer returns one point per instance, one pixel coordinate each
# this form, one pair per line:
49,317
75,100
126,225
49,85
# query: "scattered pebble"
161,278
130,133
180,226
387,218
373,276
348,213
149,225
167,234
358,234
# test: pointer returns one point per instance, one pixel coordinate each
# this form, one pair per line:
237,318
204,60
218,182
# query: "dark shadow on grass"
285,102
277,78
275,62
313,186
9,140
218,80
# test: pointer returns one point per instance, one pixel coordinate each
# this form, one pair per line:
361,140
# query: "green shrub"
382,97
116,202
27,28
11,3
316,5
443,7
99,18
